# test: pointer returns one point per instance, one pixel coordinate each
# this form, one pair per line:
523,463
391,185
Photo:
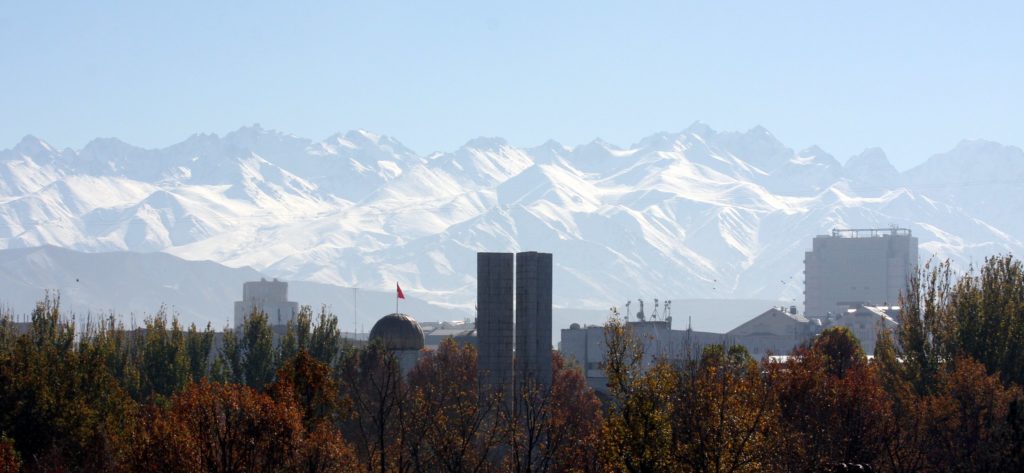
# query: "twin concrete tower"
531,331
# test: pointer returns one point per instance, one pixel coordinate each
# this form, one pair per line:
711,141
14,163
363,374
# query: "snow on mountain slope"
695,214
983,176
871,172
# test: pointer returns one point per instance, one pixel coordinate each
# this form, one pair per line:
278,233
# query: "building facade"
533,318
269,297
857,267
865,323
494,321
513,284
586,346
776,331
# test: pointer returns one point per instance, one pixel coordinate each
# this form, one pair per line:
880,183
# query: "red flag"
400,294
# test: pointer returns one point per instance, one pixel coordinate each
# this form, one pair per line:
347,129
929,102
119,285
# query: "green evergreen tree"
198,346
325,340
228,366
165,364
259,357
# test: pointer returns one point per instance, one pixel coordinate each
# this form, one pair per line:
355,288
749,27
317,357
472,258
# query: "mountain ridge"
697,213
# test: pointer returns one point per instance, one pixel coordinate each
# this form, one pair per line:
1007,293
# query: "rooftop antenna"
640,313
654,313
627,309
668,312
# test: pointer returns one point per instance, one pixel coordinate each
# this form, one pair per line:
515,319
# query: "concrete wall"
585,346
494,320
533,317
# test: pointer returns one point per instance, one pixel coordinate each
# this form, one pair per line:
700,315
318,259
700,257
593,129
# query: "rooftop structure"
398,332
402,336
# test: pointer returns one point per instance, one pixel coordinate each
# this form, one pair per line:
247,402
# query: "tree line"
942,392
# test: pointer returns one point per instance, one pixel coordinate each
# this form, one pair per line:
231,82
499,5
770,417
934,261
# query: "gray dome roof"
398,332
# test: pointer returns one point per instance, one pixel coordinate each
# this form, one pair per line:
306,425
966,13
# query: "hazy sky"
911,77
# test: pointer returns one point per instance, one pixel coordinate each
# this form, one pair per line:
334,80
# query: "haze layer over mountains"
694,214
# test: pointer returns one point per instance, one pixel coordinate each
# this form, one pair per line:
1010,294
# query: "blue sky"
912,77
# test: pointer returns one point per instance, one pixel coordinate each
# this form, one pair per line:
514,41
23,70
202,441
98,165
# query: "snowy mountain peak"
869,157
249,130
664,216
486,143
814,151
972,163
363,141
197,143
985,147
32,146
553,145
759,130
105,147
663,141
597,147
362,137
870,172
757,147
701,129
872,163
548,152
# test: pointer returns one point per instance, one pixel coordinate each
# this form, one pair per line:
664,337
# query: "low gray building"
461,333
866,321
777,331
586,346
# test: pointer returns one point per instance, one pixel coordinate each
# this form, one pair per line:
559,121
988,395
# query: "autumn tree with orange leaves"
832,407
453,430
733,414
222,428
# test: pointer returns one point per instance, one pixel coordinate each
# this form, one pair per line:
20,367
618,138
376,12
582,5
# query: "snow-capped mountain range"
694,214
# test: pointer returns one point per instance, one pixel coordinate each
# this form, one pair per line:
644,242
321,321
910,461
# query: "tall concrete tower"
533,318
494,327
858,266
